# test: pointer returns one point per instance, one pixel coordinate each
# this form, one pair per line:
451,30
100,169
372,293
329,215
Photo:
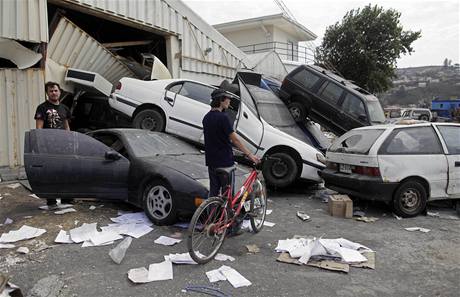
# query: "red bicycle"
215,215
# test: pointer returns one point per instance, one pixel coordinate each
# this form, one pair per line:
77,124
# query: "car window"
332,93
451,136
376,113
175,88
89,147
306,78
59,142
356,141
354,106
197,92
415,140
111,142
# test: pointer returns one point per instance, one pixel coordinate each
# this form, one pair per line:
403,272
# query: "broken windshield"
356,141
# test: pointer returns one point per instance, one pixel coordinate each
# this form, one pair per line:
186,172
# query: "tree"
446,62
365,45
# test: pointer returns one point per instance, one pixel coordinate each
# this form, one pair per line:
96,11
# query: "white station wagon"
404,165
177,106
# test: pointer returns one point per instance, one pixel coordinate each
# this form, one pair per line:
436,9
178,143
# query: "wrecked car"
330,100
155,171
403,165
178,106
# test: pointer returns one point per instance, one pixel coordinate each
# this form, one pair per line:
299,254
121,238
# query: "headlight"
204,182
320,158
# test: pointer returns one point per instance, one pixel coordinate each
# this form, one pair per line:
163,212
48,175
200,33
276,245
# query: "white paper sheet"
104,237
223,257
269,211
138,275
165,240
92,207
66,210
34,196
160,271
59,206
183,258
63,237
269,224
8,221
132,218
424,230
89,243
6,246
215,276
25,232
234,277
351,256
14,186
83,233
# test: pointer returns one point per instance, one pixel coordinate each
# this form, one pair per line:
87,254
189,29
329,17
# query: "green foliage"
364,47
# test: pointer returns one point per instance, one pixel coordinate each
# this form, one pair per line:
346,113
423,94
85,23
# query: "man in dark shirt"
52,115
218,139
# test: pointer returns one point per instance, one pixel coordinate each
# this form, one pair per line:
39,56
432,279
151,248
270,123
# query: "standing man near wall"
51,114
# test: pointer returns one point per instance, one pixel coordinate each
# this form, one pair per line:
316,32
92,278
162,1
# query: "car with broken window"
177,106
403,165
330,100
155,171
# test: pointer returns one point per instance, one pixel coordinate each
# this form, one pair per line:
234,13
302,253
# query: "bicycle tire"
210,212
258,206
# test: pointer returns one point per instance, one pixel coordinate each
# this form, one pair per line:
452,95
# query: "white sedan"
177,106
404,165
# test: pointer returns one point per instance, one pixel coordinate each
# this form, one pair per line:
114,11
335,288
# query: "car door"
353,112
451,136
67,164
187,105
327,104
248,125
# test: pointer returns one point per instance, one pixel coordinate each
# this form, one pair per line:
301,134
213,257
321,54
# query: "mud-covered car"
165,176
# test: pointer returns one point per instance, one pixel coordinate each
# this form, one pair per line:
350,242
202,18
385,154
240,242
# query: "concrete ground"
407,263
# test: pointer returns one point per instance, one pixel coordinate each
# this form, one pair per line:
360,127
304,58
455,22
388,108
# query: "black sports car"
156,171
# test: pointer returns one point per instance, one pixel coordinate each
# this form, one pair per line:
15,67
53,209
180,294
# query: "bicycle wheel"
206,232
258,206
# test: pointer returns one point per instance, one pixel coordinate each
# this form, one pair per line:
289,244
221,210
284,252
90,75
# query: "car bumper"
365,187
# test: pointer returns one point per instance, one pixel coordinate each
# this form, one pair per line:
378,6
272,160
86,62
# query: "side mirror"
362,118
112,155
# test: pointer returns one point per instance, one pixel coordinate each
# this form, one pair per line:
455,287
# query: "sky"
438,21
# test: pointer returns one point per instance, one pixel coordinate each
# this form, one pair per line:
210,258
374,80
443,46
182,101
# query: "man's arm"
39,124
236,141
66,125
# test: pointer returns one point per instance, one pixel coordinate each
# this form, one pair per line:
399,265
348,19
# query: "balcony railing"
286,51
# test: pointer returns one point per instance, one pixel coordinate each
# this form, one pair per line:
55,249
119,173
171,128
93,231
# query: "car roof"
406,124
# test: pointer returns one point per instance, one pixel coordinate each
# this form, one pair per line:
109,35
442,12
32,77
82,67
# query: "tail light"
331,165
118,86
370,171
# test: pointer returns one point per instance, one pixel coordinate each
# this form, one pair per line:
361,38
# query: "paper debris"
27,217
58,206
424,230
269,224
89,243
131,229
366,219
66,210
183,258
83,233
34,196
252,248
118,253
223,257
132,218
6,246
303,216
234,277
8,221
92,207
23,250
397,217
164,240
269,211
14,186
432,214
63,237
160,271
330,265
138,275
215,276
25,232
6,194
104,237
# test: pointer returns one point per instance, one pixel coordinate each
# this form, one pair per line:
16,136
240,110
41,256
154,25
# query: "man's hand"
253,158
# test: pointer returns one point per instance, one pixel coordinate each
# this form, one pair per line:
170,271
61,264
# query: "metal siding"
24,20
71,47
20,93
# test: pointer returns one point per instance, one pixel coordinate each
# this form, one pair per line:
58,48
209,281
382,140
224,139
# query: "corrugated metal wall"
71,47
24,20
20,93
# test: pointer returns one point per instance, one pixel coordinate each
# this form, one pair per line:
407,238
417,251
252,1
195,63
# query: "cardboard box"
340,206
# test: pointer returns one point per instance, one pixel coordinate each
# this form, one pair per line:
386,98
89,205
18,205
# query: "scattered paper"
138,275
366,219
34,196
58,206
269,211
269,224
234,277
303,216
63,237
92,207
6,194
118,253
130,229
397,217
23,250
89,243
223,257
8,221
132,218
66,210
160,271
25,232
83,233
183,258
424,230
27,217
6,246
164,240
252,248
14,186
100,238
215,276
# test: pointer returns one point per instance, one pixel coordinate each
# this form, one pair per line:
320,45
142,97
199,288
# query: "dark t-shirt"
52,115
217,145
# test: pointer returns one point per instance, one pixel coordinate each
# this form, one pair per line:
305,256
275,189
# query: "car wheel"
280,170
423,117
159,204
149,119
457,207
409,200
298,111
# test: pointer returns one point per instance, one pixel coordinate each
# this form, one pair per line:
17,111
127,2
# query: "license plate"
345,168
247,206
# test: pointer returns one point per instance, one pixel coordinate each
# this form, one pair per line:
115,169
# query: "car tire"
280,170
298,111
149,119
423,117
159,203
457,207
409,199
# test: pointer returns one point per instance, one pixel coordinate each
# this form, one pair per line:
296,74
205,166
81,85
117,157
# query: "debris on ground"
340,206
411,229
359,213
64,211
269,211
397,217
206,290
366,219
183,258
63,237
34,196
252,248
303,216
165,240
23,233
23,250
269,224
118,253
7,288
139,275
229,274
7,222
14,186
48,286
92,207
54,207
223,257
160,271
6,246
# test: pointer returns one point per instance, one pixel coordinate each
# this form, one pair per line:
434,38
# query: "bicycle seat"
225,170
